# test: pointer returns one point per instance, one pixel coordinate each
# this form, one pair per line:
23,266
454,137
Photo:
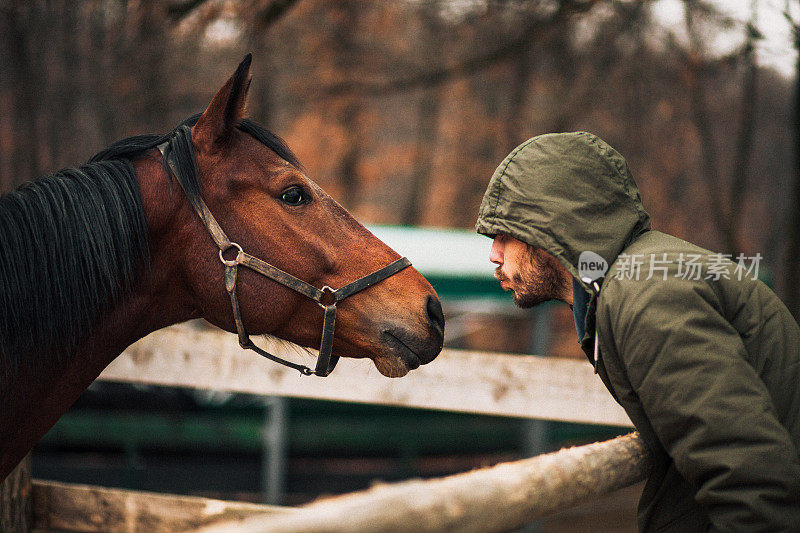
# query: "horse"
96,257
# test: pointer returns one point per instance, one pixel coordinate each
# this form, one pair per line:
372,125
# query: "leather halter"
326,362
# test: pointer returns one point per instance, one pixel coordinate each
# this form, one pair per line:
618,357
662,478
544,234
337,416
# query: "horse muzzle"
409,348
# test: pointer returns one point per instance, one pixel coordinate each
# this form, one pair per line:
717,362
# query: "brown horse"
94,258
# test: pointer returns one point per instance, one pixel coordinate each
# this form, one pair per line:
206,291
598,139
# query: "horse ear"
225,110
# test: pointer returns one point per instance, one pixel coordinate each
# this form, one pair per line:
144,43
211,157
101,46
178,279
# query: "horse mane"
72,243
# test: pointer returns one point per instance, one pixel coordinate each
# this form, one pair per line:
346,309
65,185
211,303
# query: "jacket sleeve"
707,405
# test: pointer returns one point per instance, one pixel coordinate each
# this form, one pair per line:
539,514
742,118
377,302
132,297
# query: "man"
704,358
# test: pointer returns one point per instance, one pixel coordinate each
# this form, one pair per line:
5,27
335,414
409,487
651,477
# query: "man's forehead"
506,238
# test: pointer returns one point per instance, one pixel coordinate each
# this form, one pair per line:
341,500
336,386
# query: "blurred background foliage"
401,110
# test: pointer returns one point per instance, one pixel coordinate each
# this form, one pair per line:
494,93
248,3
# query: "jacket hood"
569,194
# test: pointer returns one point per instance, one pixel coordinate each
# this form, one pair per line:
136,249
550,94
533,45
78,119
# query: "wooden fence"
461,381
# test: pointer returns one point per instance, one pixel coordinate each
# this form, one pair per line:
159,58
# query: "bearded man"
703,357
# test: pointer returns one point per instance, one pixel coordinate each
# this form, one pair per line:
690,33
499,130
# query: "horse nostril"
435,314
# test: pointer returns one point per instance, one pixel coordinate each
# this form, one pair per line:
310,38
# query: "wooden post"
501,498
15,499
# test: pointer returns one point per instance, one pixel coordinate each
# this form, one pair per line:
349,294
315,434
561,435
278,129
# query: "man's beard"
539,279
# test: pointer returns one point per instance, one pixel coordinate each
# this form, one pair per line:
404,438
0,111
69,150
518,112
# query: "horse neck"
159,296
34,399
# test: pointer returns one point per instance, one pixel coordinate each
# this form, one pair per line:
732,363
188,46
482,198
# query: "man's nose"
496,253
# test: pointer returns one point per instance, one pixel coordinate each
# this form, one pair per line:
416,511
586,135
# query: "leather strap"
371,279
285,279
325,361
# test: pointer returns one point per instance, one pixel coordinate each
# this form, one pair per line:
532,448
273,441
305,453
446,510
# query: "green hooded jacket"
704,358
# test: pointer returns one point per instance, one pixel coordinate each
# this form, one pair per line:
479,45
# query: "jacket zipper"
596,336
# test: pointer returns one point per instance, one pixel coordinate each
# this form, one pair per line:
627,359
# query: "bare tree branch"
268,15
177,11
467,67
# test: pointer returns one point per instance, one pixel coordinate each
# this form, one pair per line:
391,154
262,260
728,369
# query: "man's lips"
504,283
500,276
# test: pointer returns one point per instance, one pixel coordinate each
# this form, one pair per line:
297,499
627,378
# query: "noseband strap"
327,298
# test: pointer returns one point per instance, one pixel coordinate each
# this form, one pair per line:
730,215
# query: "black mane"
69,246
71,243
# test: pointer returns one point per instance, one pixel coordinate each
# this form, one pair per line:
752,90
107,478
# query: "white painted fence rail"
463,381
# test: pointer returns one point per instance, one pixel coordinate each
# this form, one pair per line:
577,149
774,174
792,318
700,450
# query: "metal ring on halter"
326,290
239,256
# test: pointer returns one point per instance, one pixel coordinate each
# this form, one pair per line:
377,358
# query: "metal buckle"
239,256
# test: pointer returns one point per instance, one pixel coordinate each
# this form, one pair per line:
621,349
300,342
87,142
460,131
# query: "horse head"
263,201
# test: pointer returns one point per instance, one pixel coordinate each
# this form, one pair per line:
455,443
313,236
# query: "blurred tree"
22,70
791,276
259,16
699,66
427,120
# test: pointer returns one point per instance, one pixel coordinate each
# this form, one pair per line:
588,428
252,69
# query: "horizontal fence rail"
462,381
88,509
495,499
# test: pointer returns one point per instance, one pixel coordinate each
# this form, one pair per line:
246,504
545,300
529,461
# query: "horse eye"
295,196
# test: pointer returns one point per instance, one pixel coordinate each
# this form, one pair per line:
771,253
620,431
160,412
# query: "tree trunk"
15,499
428,114
791,268
23,57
